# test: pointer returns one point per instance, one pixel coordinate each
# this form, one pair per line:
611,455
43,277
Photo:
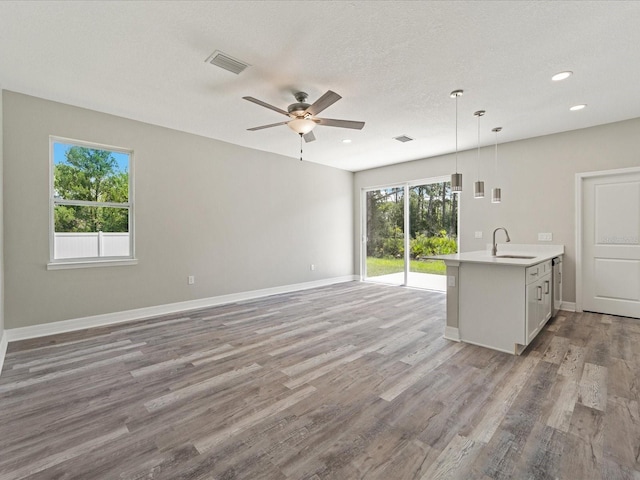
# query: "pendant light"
456,178
478,187
496,193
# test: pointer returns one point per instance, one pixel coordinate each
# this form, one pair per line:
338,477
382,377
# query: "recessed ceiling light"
346,140
561,76
578,107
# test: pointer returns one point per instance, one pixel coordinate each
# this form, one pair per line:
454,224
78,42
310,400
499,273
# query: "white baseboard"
64,326
568,306
452,333
3,347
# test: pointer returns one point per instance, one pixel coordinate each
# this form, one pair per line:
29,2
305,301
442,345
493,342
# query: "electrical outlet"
545,237
451,281
191,279
312,267
478,234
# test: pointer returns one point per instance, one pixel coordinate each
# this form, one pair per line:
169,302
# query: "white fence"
95,244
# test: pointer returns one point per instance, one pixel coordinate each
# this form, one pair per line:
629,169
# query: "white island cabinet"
500,302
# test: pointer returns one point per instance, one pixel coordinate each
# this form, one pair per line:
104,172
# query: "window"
91,205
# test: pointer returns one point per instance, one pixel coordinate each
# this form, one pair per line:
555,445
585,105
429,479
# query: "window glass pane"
81,232
89,174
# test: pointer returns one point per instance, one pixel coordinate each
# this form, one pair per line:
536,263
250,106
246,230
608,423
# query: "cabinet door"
534,309
545,313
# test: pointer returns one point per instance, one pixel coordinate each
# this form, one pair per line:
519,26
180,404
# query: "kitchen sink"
523,257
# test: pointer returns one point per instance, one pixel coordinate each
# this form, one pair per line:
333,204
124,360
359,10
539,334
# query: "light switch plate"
479,234
451,281
545,237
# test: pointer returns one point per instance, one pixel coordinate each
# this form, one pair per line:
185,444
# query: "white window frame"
86,262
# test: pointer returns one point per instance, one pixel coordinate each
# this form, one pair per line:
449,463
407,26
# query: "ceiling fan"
302,116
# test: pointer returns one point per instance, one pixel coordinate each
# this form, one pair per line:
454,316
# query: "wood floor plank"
573,362
502,400
593,387
565,395
583,450
421,370
209,442
557,350
57,458
455,461
621,424
184,393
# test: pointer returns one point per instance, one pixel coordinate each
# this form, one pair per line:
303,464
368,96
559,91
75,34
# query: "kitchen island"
502,301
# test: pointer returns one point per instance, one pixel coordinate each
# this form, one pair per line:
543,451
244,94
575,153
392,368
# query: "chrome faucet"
494,249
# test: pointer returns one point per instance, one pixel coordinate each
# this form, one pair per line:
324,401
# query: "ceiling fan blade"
266,105
309,137
329,122
323,102
267,126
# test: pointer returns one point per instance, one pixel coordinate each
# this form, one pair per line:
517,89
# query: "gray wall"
1,221
537,177
235,218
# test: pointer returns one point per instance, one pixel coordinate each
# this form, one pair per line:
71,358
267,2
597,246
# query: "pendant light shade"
456,182
456,178
478,186
496,193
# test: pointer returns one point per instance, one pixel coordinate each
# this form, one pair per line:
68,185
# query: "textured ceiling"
394,63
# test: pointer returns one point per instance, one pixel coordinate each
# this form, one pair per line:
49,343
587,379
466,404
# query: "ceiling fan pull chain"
301,147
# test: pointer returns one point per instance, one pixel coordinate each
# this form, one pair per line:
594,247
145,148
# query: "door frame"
406,186
580,179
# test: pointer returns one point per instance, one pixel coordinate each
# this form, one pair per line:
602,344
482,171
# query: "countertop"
539,253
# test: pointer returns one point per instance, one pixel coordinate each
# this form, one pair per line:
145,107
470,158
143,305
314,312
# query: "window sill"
91,264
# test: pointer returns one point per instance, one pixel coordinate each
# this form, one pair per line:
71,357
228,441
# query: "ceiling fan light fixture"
301,126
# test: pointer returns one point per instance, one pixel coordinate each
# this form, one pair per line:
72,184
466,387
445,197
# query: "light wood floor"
352,381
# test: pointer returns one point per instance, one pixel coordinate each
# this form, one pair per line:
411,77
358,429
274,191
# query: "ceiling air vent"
227,62
403,138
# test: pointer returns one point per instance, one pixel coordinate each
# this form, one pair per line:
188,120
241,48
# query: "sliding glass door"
428,212
433,230
384,238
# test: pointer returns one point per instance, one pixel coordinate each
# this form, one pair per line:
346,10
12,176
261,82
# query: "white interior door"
611,243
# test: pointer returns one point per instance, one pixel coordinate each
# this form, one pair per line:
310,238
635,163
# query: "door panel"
611,244
384,248
608,271
617,219
433,227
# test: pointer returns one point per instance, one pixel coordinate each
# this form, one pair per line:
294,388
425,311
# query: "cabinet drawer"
546,267
533,273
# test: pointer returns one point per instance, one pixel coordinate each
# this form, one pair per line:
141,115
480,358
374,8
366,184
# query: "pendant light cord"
497,154
457,133
479,147
497,130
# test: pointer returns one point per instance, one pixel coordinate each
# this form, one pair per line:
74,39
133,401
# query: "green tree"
90,175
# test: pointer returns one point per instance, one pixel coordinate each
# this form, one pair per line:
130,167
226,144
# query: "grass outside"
385,266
